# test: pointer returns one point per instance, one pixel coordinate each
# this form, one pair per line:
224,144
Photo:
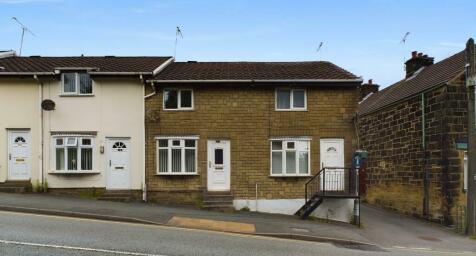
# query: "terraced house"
248,135
235,135
73,124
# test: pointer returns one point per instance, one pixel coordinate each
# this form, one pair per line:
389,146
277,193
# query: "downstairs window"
290,158
176,156
73,153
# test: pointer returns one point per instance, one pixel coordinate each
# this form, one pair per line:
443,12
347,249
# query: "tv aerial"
23,30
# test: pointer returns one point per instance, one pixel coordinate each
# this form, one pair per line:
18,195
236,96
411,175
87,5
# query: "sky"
363,36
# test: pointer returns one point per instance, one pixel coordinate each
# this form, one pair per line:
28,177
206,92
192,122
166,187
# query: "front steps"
15,186
218,201
116,196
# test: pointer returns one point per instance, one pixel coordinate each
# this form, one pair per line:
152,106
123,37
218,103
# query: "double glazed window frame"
77,79
72,141
291,99
284,149
171,145
179,99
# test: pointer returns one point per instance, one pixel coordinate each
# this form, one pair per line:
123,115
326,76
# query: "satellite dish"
48,105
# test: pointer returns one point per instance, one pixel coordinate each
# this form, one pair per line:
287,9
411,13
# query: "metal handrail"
349,188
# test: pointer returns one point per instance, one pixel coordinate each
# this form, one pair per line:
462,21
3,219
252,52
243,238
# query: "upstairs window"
178,99
73,154
291,99
76,84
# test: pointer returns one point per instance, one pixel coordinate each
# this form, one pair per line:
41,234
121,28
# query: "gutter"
261,81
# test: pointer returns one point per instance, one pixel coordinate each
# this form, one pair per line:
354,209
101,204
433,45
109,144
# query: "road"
29,234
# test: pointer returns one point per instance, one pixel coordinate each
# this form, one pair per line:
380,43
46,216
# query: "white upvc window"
178,99
291,99
177,155
76,84
73,153
290,157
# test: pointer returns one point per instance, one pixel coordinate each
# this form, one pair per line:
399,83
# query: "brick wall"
246,116
397,160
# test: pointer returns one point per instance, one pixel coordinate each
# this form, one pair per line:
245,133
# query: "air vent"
109,56
35,56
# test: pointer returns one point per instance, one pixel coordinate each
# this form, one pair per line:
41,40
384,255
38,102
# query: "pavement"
33,234
381,228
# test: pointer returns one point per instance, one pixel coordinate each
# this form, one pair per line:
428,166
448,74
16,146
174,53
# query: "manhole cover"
429,238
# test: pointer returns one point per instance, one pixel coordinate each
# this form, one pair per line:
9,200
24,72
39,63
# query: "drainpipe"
426,177
144,184
40,133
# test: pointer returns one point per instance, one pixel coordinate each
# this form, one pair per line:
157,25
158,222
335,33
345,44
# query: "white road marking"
78,248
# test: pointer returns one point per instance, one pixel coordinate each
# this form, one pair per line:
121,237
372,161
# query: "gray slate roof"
430,76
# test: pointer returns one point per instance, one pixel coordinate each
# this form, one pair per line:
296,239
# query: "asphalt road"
28,234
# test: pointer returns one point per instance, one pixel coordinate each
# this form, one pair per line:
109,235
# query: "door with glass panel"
332,156
118,164
19,155
218,165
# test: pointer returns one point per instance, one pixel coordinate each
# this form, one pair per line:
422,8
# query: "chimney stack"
417,61
368,88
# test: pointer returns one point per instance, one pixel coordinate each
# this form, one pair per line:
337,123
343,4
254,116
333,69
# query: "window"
73,154
175,99
290,158
291,99
176,156
77,84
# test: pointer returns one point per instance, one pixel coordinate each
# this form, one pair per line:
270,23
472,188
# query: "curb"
336,241
76,214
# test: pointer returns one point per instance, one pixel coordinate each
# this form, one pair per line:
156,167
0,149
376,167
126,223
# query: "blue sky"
361,36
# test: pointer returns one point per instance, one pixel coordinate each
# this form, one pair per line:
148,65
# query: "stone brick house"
251,132
415,132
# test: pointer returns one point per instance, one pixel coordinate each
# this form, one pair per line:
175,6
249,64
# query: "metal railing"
333,182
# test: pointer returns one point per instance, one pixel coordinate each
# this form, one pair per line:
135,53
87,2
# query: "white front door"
19,155
218,165
332,155
118,164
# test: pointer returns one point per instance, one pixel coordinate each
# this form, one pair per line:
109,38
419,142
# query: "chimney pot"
370,81
420,54
414,54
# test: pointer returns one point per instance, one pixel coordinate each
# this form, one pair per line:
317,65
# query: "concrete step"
19,190
218,198
116,196
218,201
20,186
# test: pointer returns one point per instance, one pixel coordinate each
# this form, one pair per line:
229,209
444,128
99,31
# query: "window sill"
179,109
76,95
291,110
291,176
73,172
176,174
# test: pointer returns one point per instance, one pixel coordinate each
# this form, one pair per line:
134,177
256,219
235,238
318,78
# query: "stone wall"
397,159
